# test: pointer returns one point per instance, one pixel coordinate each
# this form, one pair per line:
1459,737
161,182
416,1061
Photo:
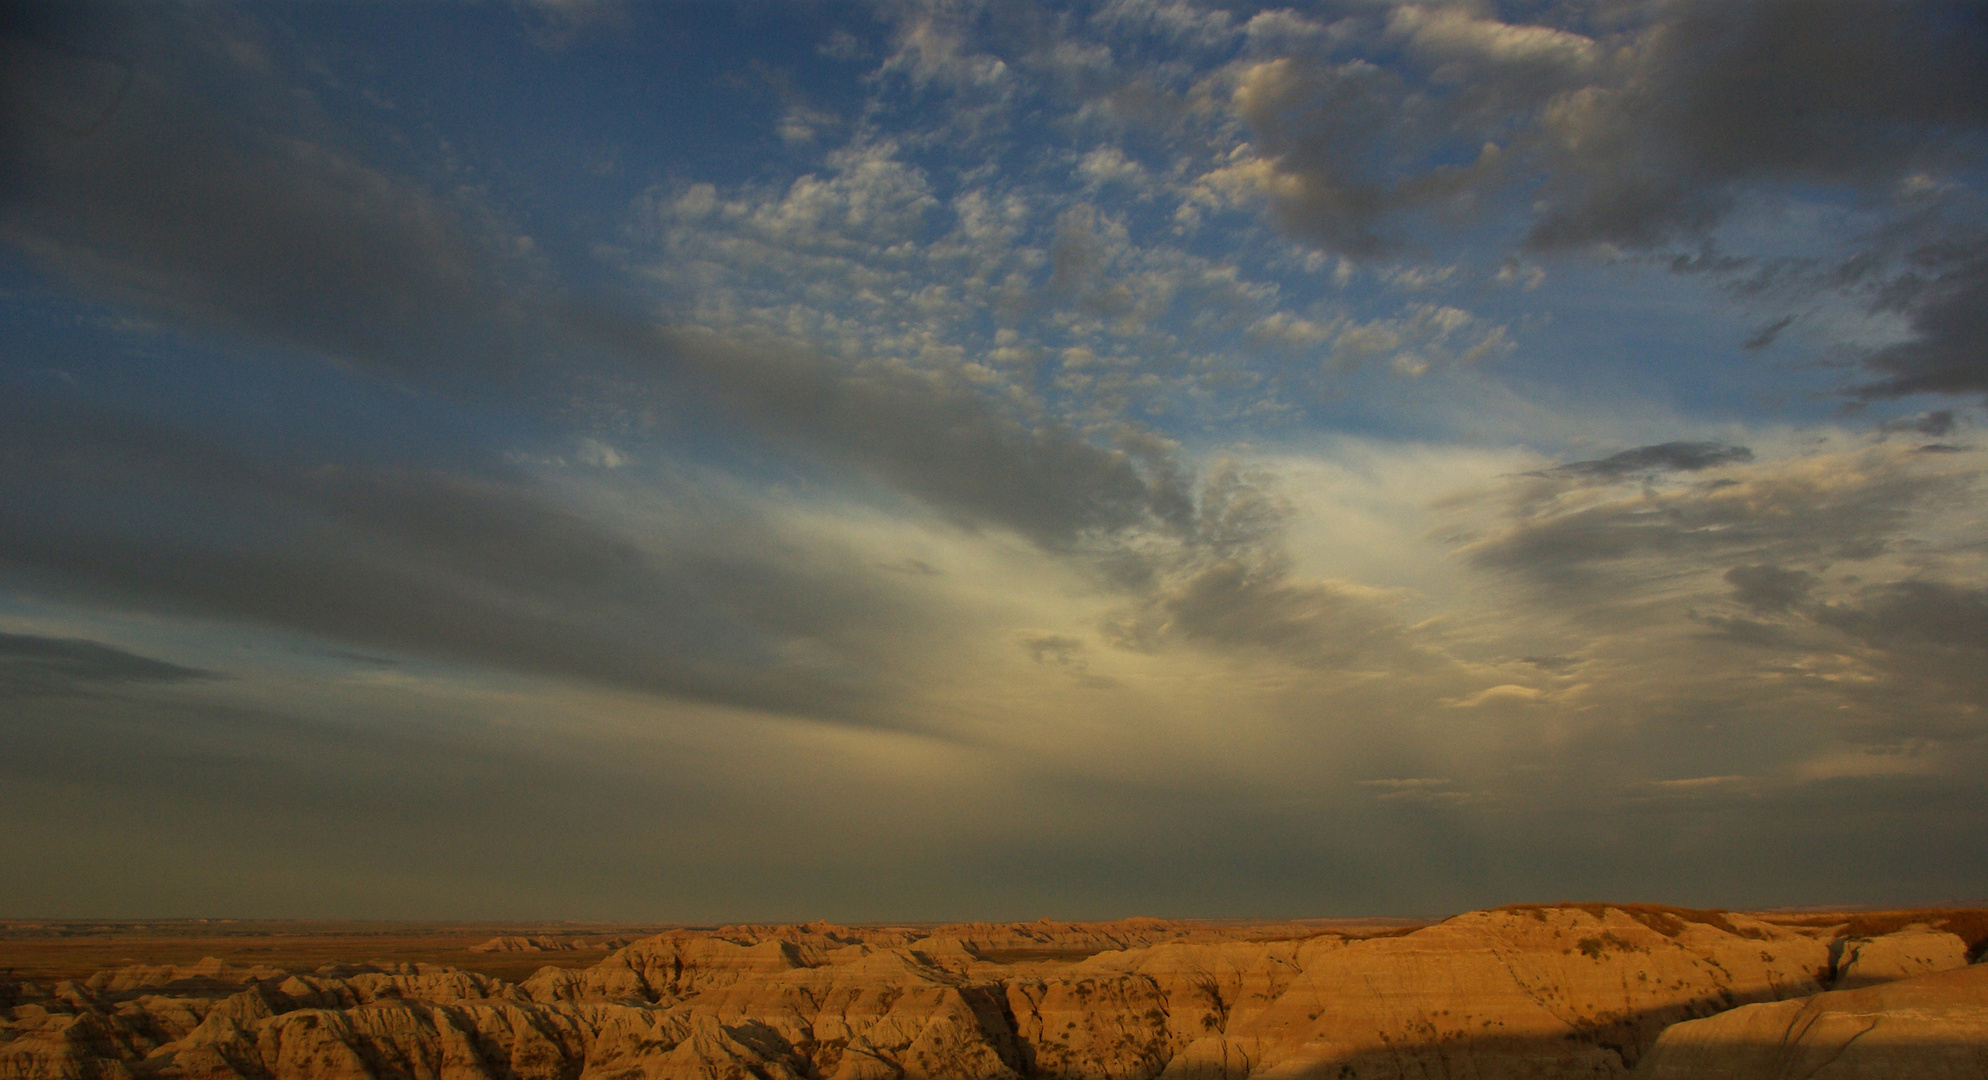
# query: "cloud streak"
36,666
495,570
269,228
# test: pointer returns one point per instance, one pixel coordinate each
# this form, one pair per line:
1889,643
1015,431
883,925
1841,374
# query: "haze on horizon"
944,460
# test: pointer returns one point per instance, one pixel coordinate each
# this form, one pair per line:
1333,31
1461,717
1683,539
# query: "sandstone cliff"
1534,992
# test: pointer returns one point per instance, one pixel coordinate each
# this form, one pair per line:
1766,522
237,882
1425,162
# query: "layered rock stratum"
1532,992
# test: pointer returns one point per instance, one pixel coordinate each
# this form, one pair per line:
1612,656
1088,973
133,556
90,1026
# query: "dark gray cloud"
491,569
1750,632
924,433
1662,457
1318,124
1644,130
1936,422
1718,94
1644,127
34,666
210,196
1917,614
1948,353
1768,589
1925,641
1765,336
1925,270
209,190
1354,148
1046,648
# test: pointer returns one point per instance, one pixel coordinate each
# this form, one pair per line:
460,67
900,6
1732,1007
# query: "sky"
589,459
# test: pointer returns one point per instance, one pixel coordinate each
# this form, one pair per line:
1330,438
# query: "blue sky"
934,460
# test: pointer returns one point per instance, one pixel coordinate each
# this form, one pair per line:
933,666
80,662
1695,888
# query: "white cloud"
1454,35
930,49
1107,164
600,455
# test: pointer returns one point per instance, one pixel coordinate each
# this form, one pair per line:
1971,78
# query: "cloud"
276,232
1316,127
35,666
1765,336
1231,606
1047,648
932,48
1620,134
1423,791
943,370
1663,457
1190,24
1504,693
500,569
842,45
1948,352
1063,652
1697,783
1838,505
1916,614
928,435
270,230
1108,164
1407,783
1853,92
1225,585
1346,149
1768,589
1467,48
559,24
1936,422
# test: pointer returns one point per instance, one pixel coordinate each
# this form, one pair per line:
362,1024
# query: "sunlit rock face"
1914,950
1927,1027
1570,991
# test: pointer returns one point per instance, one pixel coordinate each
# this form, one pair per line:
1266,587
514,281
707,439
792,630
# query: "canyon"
1547,991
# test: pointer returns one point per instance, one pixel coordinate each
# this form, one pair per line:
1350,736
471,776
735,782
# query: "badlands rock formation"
1570,991
519,944
1914,950
1929,1027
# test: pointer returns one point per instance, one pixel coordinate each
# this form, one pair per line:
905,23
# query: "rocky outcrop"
1930,1027
1914,950
1530,992
522,944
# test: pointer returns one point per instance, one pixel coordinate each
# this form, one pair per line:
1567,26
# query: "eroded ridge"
1552,991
